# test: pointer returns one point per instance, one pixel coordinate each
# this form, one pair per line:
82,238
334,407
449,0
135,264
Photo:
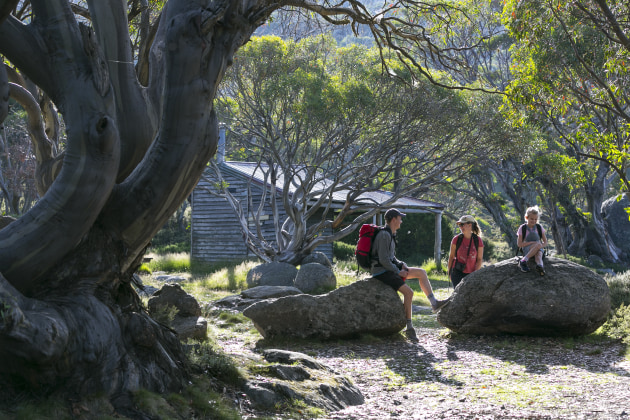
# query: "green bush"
144,269
174,237
430,266
165,314
619,286
215,364
618,326
416,238
343,251
488,249
175,248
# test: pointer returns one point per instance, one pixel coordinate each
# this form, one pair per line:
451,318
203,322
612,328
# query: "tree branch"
41,144
136,130
38,240
4,93
614,24
15,38
193,65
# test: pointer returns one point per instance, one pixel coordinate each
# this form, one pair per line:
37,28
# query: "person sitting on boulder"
466,253
531,237
393,272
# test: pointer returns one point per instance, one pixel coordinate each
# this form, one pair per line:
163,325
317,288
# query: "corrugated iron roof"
256,172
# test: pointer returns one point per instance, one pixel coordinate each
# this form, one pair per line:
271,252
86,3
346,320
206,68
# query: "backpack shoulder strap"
539,228
475,240
460,239
380,229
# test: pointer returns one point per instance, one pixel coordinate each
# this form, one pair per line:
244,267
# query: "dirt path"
476,377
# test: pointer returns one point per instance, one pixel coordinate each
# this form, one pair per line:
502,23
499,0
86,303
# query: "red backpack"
363,254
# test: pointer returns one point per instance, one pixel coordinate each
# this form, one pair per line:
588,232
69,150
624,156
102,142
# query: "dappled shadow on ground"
539,354
471,377
435,358
410,361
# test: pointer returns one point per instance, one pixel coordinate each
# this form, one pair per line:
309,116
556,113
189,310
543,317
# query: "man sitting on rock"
393,272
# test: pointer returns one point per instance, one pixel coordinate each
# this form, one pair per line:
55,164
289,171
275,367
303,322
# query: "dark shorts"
391,279
457,276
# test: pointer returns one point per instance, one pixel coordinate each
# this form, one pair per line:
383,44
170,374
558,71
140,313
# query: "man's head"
392,214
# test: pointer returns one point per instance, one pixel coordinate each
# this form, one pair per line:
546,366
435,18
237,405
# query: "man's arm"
382,244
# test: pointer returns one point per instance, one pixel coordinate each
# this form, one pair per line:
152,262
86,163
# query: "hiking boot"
540,269
439,304
523,266
411,334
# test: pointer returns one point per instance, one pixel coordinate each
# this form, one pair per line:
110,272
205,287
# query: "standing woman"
466,253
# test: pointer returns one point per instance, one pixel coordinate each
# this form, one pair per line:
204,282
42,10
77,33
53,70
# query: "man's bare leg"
425,285
407,293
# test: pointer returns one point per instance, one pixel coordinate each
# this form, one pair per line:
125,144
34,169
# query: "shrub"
343,251
430,266
215,364
144,269
165,314
174,237
618,326
619,286
489,247
172,248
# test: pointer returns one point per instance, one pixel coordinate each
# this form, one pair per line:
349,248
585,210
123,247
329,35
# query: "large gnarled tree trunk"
133,154
137,142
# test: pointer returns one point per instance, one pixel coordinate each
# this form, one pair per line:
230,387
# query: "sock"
432,299
409,325
524,259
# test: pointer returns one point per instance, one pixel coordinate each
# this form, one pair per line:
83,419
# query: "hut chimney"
221,145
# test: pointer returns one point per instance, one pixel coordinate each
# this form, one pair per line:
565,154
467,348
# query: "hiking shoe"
523,266
540,269
411,334
439,305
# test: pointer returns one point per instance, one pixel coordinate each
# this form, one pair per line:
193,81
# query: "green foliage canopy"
571,72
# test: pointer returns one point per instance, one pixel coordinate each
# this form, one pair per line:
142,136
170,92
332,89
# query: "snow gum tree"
137,107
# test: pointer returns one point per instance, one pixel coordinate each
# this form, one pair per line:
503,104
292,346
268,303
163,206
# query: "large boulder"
569,300
250,296
314,277
366,306
617,223
270,292
296,376
172,294
316,257
272,274
187,321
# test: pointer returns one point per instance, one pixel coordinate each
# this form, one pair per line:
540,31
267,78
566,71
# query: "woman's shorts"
457,276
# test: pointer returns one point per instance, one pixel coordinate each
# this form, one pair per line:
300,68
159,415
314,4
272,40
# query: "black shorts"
457,276
391,279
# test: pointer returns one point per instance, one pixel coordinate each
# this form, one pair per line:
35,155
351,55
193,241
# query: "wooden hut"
216,235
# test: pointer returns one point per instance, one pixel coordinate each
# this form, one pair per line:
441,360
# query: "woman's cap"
467,219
